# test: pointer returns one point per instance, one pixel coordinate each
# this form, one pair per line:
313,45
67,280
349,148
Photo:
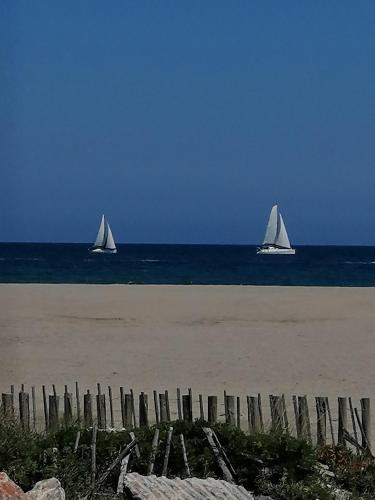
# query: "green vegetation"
272,464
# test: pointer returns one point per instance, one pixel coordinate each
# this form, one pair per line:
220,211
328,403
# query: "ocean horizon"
199,264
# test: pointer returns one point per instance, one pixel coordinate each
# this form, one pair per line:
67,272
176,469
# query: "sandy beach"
243,339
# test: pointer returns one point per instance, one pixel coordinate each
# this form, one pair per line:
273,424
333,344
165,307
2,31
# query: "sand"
245,339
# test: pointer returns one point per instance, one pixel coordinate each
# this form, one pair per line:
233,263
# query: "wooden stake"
154,449
78,404
24,409
353,419
212,409
156,406
342,424
186,408
93,456
133,408
122,402
184,454
179,410
230,417
201,411
101,410
167,451
321,422
111,407
46,417
163,408
366,422
143,410
87,409
238,412
128,411
77,442
33,406
330,422
223,466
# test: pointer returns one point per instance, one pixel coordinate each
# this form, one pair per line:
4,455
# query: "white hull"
102,250
275,251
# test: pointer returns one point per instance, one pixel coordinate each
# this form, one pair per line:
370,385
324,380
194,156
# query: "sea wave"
359,262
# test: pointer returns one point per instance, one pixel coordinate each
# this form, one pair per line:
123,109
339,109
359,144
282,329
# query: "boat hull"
269,250
102,250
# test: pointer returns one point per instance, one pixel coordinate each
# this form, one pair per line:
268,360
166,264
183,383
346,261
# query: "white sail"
282,239
110,242
104,242
100,238
271,231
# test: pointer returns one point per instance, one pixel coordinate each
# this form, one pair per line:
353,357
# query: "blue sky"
184,121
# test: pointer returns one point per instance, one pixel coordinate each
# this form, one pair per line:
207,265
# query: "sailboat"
104,242
276,240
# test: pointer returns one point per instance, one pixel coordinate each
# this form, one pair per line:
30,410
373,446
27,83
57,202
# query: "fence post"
186,408
128,411
212,409
68,411
321,421
230,417
366,423
163,408
342,424
53,412
24,409
87,409
7,405
143,410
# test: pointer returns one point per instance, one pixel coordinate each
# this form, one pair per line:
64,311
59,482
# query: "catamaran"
276,240
104,242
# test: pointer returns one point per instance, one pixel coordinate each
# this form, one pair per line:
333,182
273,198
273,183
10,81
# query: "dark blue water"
187,264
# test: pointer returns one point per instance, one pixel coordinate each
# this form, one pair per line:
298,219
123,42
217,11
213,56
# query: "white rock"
48,489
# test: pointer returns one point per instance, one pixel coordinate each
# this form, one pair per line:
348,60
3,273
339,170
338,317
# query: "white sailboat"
104,242
276,240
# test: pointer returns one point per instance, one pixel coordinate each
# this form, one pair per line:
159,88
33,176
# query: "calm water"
185,264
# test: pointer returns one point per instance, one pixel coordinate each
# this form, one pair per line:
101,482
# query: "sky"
185,121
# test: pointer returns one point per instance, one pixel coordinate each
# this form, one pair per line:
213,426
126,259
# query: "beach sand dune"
245,339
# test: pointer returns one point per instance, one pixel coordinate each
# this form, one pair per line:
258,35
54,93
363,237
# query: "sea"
187,264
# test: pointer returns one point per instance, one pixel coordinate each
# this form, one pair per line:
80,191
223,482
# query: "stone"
48,489
9,490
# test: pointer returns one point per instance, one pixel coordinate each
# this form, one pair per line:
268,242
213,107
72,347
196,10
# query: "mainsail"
276,232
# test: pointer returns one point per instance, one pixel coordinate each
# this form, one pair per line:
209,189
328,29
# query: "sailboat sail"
104,239
110,243
100,238
271,231
276,232
282,239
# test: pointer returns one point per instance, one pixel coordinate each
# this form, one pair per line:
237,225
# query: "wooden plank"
53,412
143,410
230,417
260,412
78,404
68,410
304,419
93,455
167,406
184,454
366,422
284,413
136,448
46,416
154,449
321,421
133,408
122,402
201,410
330,422
256,424
128,411
296,417
179,409
111,407
7,405
277,421
78,436
353,420
87,409
33,405
186,408
238,407
24,409
342,423
223,466
212,409
163,408
167,451
156,406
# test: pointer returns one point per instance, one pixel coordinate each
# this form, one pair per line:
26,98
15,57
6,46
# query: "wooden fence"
315,419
